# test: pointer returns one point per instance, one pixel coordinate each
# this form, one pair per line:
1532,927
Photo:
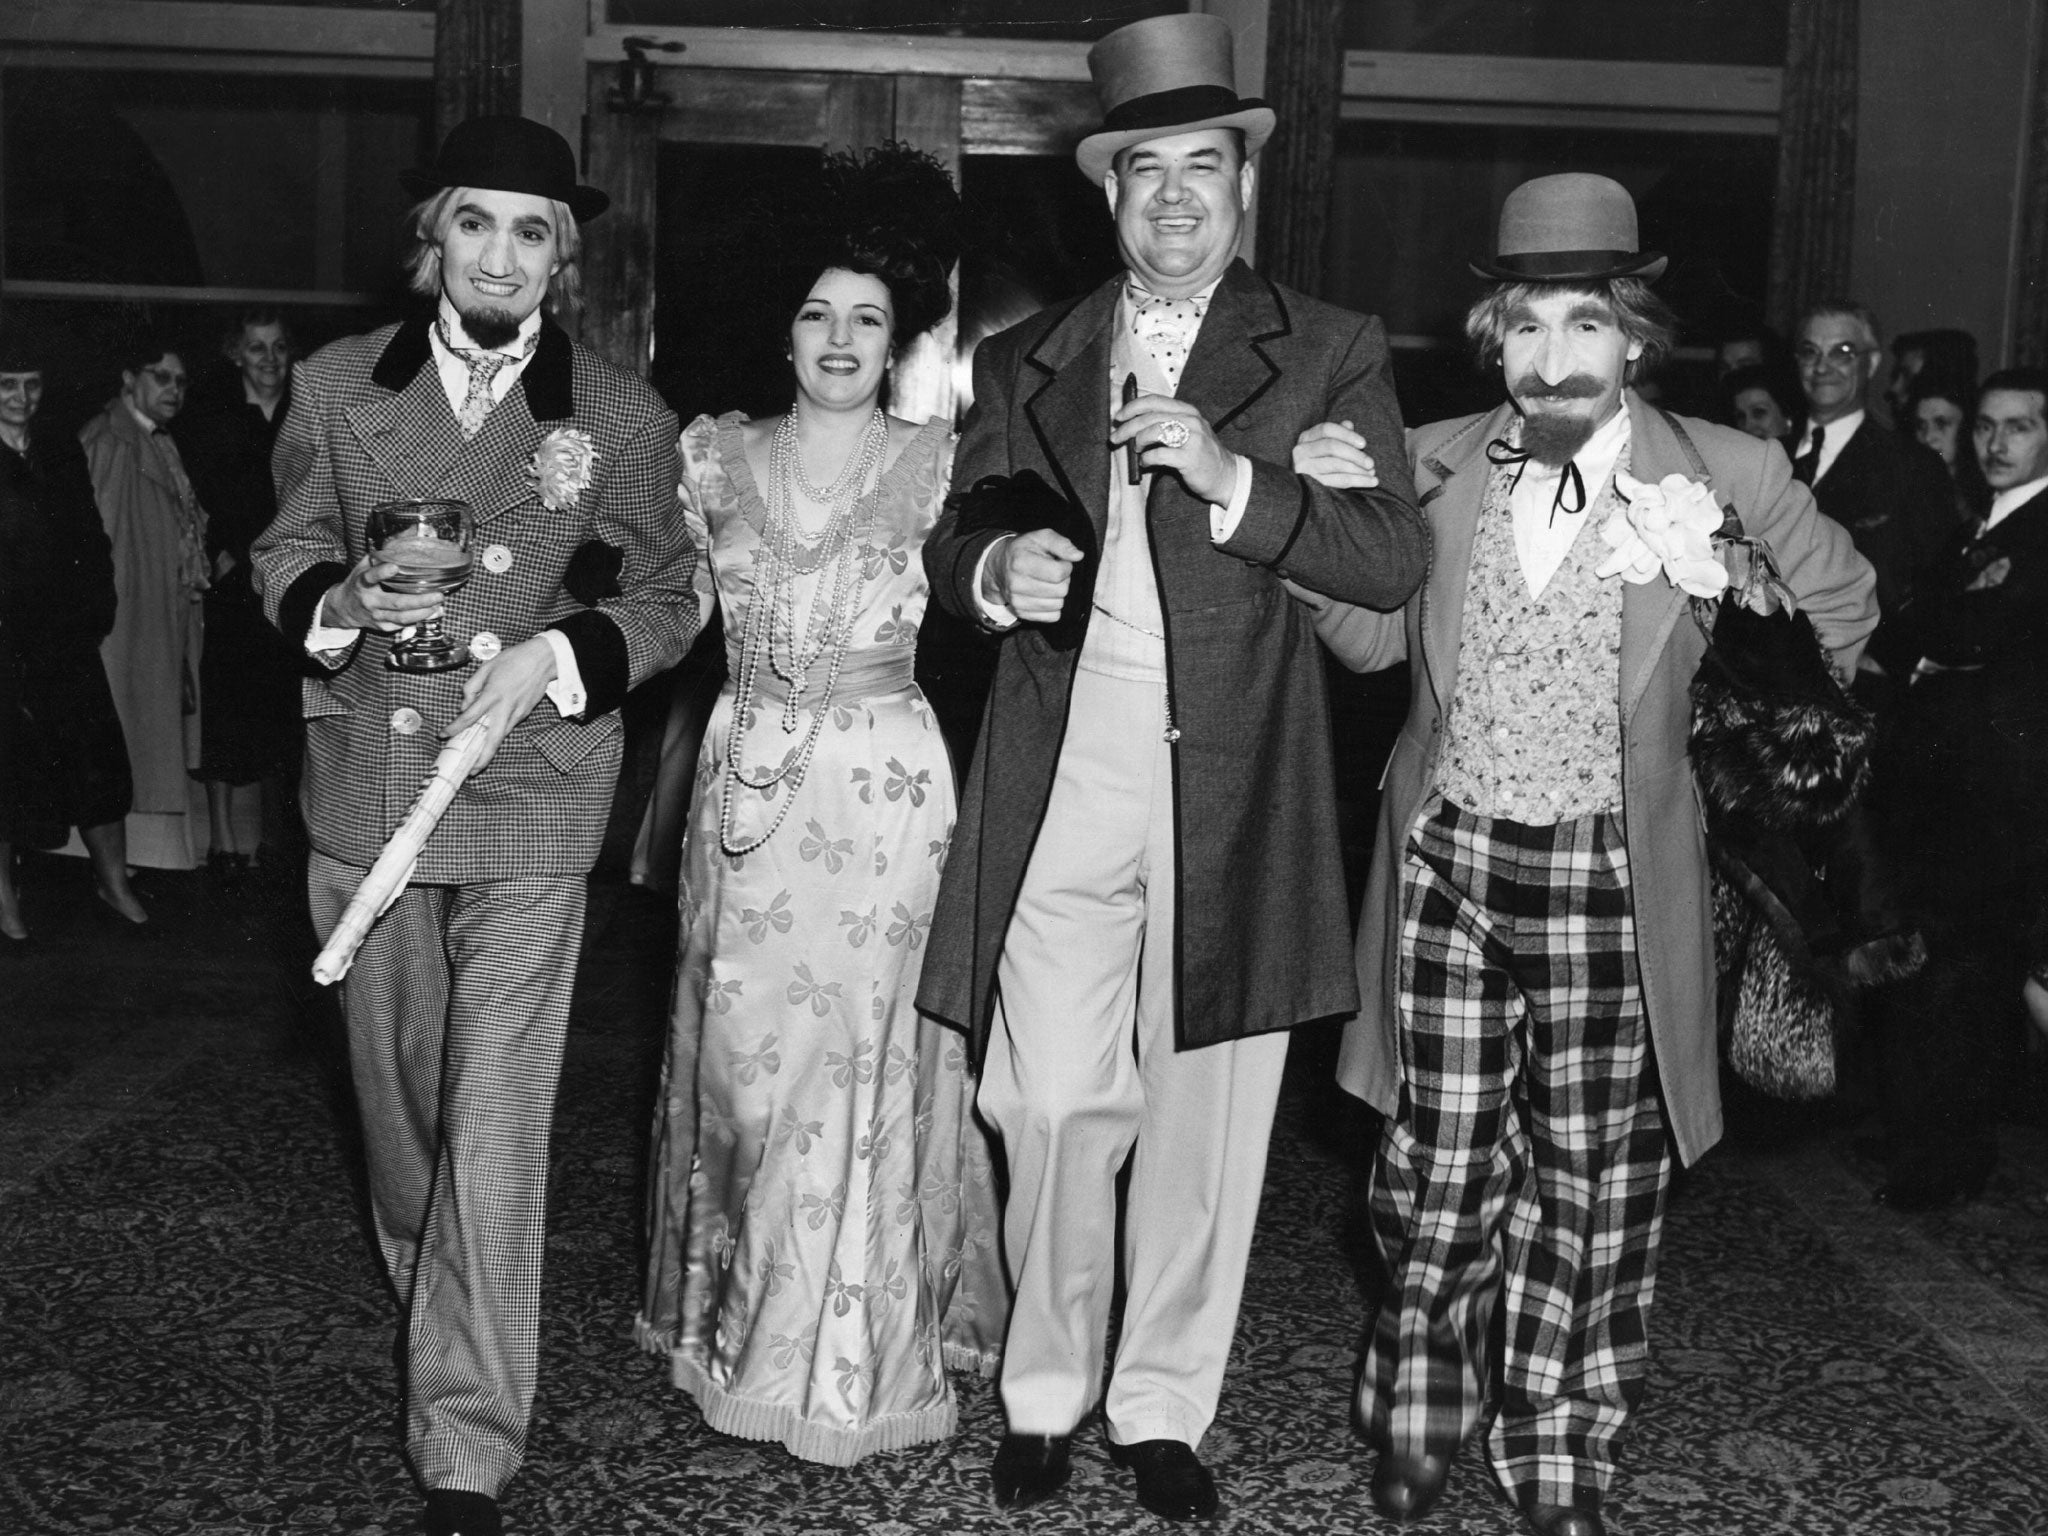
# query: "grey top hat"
1573,227
1167,74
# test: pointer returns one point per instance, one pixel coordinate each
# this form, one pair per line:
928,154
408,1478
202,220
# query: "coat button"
497,559
483,645
406,721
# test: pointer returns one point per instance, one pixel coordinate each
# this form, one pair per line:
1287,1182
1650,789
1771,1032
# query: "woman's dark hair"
1780,384
891,213
248,320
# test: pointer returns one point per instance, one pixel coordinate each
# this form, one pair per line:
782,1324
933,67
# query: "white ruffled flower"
1667,527
561,467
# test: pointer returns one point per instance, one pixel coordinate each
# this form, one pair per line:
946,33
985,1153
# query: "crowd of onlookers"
1939,477
148,711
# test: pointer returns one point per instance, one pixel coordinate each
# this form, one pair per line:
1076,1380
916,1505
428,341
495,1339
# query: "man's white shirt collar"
1836,438
2005,503
1542,540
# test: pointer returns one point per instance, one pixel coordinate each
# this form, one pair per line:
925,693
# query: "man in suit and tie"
1890,493
458,1003
1144,890
1959,784
1538,1029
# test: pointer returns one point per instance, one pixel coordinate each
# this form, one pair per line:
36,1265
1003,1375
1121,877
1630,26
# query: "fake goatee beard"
1554,438
489,328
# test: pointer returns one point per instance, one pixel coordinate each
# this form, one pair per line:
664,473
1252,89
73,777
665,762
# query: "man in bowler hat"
1144,892
1538,1028
459,998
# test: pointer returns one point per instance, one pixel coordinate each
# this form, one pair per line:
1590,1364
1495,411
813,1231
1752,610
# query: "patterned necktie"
1166,328
484,368
1806,467
477,403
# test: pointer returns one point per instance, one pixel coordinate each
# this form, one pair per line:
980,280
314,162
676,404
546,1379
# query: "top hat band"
1165,109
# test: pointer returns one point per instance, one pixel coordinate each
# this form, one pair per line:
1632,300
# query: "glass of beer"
429,543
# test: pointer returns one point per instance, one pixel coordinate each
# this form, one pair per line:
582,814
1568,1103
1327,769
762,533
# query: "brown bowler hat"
1167,74
1573,227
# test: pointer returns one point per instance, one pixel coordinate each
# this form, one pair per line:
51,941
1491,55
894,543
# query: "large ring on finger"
1173,434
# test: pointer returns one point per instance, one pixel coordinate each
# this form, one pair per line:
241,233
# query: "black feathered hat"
508,154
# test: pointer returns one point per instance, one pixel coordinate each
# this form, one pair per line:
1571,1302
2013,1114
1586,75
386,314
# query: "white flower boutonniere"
1667,527
561,465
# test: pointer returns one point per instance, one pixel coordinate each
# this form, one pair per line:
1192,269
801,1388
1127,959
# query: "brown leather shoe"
1029,1469
1406,1487
1563,1520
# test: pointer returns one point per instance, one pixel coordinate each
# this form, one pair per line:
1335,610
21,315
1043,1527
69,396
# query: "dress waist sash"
866,674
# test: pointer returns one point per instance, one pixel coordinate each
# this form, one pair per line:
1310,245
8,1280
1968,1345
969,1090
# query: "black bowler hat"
508,154
1573,227
1167,74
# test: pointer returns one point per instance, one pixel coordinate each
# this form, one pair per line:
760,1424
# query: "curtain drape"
1816,206
2030,308
1305,87
476,60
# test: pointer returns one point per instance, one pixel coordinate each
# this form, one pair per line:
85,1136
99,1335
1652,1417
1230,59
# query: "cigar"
1135,469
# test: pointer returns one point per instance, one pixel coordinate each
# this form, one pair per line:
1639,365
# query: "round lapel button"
406,721
497,559
483,645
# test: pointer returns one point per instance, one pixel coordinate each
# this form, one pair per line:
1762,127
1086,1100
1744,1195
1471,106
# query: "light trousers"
1082,1073
457,1009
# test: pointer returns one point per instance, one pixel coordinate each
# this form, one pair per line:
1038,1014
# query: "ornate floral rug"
194,1337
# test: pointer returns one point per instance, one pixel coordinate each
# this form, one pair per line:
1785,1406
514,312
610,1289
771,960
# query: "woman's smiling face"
839,341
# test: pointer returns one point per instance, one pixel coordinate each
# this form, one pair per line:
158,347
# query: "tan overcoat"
1661,648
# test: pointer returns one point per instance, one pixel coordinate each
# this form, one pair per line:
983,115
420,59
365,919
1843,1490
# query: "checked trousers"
1518,1192
457,1009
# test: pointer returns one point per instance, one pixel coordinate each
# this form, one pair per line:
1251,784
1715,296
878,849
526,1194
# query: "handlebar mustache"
1580,386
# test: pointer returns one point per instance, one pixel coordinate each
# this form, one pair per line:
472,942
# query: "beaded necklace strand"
771,631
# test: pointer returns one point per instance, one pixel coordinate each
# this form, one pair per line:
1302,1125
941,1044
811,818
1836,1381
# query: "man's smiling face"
1179,203
496,259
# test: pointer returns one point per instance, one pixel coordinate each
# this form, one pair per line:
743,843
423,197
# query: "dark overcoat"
1660,651
369,422
1898,503
1262,941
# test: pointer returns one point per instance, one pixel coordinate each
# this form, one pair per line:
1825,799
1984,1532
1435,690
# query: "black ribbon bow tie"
1501,451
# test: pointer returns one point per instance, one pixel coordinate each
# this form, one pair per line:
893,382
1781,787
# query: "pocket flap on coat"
567,743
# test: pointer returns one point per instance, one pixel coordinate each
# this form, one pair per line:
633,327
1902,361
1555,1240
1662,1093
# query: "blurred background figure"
1754,346
63,762
1892,495
248,674
1950,355
1938,415
1762,401
158,532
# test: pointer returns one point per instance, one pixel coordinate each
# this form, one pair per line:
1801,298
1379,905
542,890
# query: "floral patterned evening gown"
822,1214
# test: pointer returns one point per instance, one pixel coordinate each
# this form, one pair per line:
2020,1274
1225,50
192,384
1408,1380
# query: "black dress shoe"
1029,1469
1563,1520
452,1512
1407,1487
1172,1482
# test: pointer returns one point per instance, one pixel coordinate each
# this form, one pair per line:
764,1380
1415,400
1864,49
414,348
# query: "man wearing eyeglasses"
1892,495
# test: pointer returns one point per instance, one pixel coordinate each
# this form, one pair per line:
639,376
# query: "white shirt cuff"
1223,521
567,689
323,638
994,615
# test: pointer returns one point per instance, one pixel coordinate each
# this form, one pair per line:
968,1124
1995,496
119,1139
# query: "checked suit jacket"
369,422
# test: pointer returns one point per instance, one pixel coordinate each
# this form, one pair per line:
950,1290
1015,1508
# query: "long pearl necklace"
771,631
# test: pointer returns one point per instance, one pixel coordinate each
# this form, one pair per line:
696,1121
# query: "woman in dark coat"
63,761
248,674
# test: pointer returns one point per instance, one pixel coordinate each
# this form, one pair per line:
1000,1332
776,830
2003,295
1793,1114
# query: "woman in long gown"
822,1209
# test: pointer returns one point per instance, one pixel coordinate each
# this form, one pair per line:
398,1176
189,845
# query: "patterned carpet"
194,1338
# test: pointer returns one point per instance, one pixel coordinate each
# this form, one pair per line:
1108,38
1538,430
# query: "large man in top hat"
1538,975
459,999
1144,889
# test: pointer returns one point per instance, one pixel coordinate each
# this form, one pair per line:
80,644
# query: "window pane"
1673,31
1073,19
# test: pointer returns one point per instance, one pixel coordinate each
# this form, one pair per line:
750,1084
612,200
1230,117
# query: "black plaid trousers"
1526,1168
